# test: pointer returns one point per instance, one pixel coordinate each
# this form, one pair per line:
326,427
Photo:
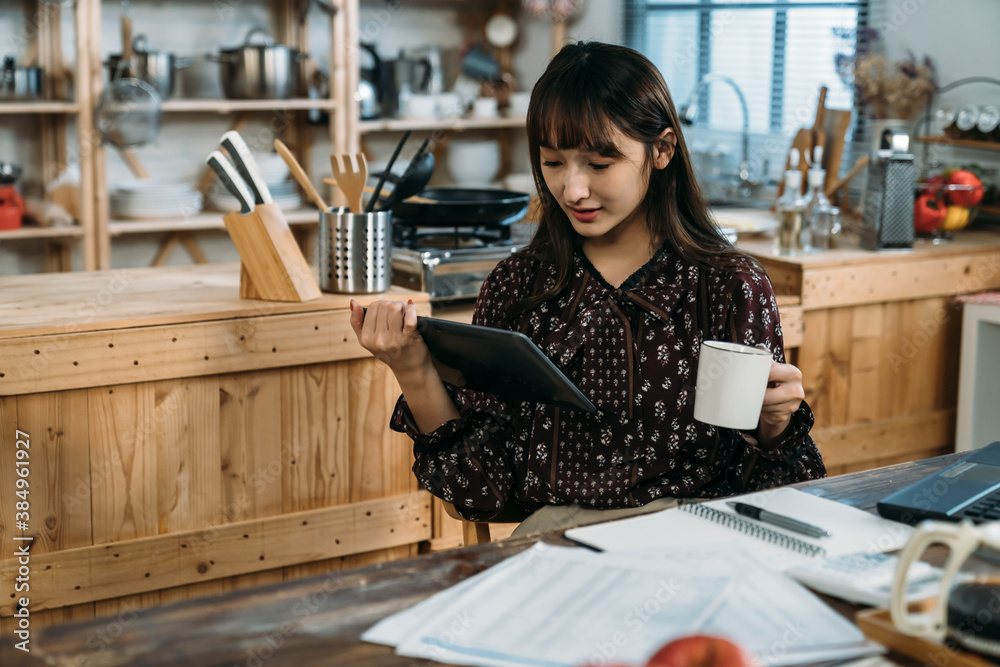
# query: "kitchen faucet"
689,111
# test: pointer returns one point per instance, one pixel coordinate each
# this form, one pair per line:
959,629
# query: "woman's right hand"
389,332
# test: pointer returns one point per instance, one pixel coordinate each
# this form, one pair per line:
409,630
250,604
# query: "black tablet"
501,362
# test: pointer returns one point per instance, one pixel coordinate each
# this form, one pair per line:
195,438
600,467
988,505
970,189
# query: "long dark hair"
588,91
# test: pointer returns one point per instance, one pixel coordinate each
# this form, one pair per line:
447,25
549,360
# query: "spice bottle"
790,209
818,215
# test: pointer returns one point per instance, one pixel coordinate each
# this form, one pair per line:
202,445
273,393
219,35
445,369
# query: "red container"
11,208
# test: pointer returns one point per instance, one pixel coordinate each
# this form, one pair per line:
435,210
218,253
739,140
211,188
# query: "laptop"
966,490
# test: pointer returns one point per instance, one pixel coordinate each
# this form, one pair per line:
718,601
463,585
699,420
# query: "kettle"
372,86
11,208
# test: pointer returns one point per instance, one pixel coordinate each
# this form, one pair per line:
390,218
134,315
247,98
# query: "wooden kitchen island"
880,342
184,441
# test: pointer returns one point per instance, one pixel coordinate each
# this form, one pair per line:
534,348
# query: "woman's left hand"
783,397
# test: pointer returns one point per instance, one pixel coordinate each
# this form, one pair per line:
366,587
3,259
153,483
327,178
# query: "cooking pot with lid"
154,67
261,70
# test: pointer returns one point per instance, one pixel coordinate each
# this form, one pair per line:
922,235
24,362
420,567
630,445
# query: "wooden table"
186,442
880,341
318,621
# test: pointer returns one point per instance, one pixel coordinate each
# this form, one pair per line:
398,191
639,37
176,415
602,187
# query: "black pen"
779,520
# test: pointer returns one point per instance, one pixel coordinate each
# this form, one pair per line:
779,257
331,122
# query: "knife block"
272,266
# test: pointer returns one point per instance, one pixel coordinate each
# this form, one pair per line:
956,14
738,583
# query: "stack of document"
553,606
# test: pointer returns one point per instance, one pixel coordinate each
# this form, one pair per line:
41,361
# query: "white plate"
190,205
746,220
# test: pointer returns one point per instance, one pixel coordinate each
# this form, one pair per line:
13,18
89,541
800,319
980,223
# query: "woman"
624,278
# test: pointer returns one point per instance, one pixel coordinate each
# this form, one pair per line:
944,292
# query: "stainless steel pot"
157,68
259,71
21,83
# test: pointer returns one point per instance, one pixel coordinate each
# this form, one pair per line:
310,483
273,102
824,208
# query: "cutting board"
835,125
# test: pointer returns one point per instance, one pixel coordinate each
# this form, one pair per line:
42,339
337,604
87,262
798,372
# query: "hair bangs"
565,117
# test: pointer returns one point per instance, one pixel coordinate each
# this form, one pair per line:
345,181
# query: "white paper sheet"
555,606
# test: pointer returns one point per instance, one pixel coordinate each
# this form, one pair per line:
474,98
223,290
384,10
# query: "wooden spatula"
351,175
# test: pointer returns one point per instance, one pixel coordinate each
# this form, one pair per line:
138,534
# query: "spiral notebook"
713,522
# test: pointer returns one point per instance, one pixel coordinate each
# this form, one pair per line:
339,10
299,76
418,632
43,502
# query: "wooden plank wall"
137,465
882,381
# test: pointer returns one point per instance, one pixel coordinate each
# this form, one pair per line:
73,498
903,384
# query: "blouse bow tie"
598,339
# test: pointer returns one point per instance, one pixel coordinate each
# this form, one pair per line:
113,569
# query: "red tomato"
701,651
966,197
928,213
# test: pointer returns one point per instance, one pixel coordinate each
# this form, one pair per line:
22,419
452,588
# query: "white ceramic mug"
485,107
732,379
519,102
449,105
963,541
422,106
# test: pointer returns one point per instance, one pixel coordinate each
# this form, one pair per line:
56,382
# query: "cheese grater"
887,218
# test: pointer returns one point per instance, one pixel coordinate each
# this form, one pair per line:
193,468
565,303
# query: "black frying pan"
463,207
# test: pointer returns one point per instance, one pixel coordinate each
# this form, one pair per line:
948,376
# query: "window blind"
778,52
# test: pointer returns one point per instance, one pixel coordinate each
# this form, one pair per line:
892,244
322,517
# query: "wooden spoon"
300,174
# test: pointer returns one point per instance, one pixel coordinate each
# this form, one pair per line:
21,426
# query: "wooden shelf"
38,107
964,143
457,124
228,106
41,233
200,222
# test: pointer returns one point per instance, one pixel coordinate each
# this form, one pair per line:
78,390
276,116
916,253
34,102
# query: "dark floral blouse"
633,351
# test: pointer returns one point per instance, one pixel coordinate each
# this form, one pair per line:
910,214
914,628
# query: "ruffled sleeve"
467,461
751,318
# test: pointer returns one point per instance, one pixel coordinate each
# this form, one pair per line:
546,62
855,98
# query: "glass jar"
989,122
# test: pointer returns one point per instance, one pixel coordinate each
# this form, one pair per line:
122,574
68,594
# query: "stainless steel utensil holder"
355,251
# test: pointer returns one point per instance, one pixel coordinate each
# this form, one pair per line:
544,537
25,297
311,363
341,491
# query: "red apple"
701,651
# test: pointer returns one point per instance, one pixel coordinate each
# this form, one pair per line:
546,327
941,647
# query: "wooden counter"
184,441
880,343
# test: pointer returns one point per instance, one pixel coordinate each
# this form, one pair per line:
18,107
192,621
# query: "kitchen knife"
232,180
241,156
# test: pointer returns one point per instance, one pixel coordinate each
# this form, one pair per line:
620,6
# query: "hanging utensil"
232,181
351,174
241,156
300,175
388,169
128,112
